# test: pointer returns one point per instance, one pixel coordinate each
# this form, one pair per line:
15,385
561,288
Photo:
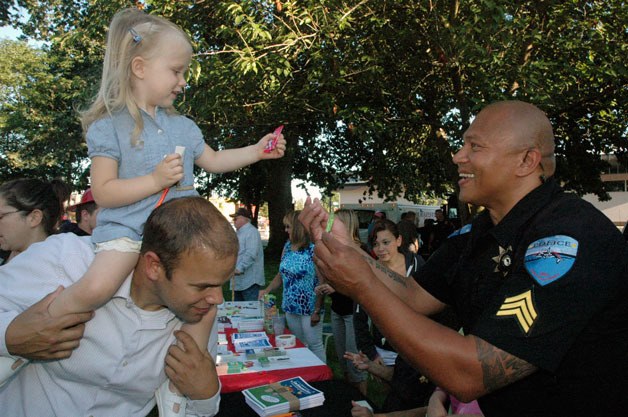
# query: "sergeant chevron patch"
522,308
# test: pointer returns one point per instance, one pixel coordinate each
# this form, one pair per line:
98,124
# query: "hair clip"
136,36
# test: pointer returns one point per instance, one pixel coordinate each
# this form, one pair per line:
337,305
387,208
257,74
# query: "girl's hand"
359,411
280,147
436,405
169,171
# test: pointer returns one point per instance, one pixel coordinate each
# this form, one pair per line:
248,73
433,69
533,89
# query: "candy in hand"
272,144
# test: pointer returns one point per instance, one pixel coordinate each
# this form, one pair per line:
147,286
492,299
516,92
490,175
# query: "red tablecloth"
239,382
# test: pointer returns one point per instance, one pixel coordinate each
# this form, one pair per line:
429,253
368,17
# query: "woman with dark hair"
409,236
408,388
30,211
303,307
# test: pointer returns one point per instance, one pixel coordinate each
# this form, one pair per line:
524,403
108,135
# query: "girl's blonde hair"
132,33
350,220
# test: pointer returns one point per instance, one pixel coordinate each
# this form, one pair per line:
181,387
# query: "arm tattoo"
391,274
500,368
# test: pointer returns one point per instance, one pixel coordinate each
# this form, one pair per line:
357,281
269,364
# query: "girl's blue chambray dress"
110,137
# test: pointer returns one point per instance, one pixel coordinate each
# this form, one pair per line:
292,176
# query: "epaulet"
464,229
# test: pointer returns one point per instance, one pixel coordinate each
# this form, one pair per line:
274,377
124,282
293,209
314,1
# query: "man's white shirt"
120,361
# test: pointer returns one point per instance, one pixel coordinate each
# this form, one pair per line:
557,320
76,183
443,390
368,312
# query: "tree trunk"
279,197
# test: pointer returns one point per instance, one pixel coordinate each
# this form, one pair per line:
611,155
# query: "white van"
393,212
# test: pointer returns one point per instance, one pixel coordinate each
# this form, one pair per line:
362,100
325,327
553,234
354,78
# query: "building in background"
616,181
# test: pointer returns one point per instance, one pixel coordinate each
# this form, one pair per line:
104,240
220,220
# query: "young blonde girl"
132,133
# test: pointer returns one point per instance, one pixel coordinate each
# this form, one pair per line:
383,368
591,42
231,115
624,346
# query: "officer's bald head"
525,126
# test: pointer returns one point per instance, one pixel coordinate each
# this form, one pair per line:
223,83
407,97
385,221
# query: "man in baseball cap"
86,213
249,271
241,211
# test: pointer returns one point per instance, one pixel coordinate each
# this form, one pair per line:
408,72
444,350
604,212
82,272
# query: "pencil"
163,196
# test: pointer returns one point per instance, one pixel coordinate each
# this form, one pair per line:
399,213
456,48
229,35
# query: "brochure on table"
261,355
241,315
283,396
229,364
246,341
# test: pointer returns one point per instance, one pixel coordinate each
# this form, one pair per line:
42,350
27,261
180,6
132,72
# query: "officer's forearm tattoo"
500,368
390,273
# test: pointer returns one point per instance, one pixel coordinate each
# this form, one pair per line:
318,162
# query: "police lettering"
552,243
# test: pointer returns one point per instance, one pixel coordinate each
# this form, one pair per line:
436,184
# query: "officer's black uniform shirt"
549,285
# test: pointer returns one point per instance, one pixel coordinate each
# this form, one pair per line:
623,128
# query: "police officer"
539,279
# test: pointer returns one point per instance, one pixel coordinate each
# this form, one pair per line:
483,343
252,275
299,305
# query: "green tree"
377,90
38,128
5,11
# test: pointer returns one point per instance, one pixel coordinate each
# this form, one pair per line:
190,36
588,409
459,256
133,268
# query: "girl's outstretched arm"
232,159
110,191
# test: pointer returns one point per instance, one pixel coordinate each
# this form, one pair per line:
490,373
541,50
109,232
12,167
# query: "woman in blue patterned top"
302,306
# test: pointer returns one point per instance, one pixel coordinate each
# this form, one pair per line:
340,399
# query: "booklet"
254,344
283,396
248,336
250,340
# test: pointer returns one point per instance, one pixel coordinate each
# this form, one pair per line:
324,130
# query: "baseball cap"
86,198
379,213
242,211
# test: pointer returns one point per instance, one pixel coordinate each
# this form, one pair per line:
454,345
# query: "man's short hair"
89,207
185,224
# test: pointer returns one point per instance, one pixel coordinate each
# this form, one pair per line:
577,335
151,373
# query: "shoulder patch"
550,258
464,229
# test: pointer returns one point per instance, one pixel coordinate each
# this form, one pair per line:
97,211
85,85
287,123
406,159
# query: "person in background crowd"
342,315
538,278
441,229
386,244
409,236
249,273
377,216
303,307
409,216
424,235
408,388
439,405
30,211
86,215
